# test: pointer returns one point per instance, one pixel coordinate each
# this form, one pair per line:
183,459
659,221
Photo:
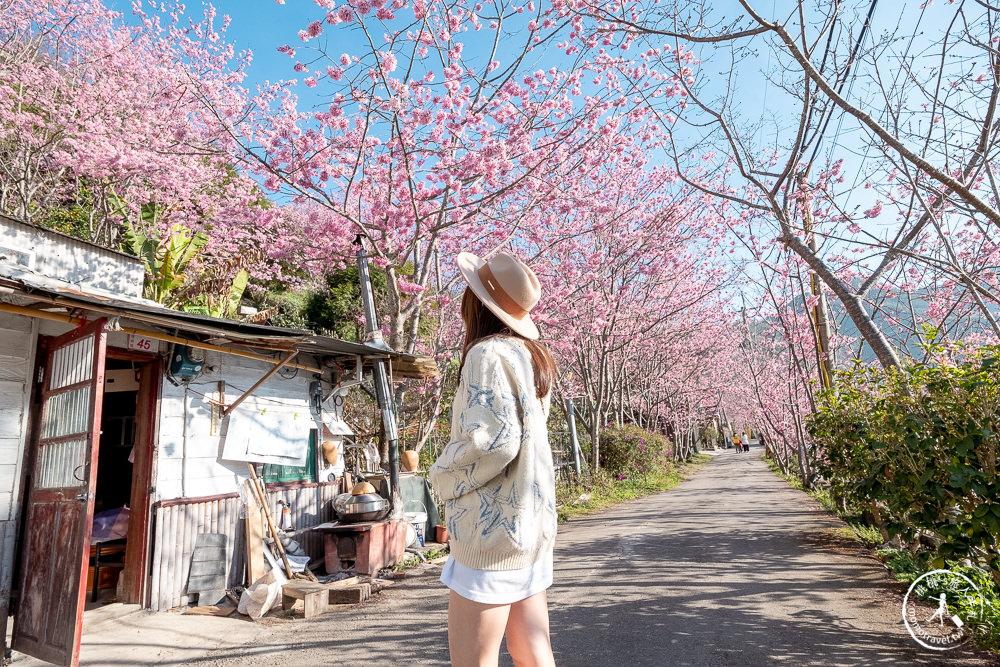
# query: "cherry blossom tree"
102,118
435,139
870,173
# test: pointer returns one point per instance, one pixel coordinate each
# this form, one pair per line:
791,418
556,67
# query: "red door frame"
137,545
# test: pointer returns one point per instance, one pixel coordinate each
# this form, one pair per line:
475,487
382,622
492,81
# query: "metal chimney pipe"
380,376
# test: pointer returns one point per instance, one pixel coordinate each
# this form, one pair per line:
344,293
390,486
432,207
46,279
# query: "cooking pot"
351,508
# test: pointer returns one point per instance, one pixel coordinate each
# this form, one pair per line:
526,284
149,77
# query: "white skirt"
498,586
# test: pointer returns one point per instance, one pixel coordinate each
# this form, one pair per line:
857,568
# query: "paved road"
732,567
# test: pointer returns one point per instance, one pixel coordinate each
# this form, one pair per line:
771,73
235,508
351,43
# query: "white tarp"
273,434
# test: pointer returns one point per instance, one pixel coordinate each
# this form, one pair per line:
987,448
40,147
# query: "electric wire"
848,71
868,145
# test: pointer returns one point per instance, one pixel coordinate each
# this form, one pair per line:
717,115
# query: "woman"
495,476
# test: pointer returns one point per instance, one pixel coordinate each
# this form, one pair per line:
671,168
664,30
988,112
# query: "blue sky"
264,25
260,26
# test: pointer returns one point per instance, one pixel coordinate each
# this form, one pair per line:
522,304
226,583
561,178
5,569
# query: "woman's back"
496,475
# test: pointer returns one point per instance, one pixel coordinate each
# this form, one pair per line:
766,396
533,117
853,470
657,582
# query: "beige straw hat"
506,286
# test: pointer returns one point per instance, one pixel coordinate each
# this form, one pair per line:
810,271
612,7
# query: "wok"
365,507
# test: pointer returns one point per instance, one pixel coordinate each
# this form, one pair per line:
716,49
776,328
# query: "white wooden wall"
17,349
187,464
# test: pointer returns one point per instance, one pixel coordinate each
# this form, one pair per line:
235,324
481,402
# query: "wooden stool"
315,597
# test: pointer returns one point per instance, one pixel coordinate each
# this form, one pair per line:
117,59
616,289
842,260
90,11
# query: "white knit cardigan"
495,476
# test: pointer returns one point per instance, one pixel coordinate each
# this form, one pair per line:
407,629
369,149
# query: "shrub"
918,449
630,452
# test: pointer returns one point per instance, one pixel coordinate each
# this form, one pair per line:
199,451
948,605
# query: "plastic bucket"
416,519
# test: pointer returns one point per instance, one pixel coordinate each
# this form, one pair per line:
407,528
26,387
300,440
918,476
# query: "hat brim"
469,265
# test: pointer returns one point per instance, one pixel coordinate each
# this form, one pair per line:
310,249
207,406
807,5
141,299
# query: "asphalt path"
732,567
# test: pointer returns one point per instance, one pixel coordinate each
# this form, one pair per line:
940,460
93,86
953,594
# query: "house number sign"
142,343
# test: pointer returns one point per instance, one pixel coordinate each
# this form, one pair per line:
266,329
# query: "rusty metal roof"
20,286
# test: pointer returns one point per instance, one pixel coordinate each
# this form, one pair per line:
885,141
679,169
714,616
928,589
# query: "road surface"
732,567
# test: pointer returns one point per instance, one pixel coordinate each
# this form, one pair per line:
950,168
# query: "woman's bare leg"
475,631
528,632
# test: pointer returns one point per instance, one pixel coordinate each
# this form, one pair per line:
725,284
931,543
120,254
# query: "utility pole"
819,317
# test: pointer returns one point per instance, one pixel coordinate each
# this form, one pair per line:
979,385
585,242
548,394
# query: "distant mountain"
889,311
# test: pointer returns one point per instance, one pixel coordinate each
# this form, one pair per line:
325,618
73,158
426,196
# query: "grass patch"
603,491
906,566
435,553
407,561
410,559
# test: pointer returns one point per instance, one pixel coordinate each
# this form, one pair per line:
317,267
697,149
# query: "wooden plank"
12,410
300,589
12,328
7,473
171,558
378,585
190,514
315,599
176,556
154,579
255,537
344,583
10,450
6,514
350,595
274,369
14,368
234,531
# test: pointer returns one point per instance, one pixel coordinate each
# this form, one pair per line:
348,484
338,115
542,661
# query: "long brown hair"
480,323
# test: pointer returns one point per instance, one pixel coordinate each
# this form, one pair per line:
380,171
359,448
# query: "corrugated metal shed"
20,286
73,260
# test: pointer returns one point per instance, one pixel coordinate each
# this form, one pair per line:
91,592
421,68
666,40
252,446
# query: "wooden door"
60,502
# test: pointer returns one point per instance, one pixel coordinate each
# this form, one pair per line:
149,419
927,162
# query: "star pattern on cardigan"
496,405
467,478
454,521
499,512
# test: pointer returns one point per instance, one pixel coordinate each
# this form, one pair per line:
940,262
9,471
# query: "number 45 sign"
142,343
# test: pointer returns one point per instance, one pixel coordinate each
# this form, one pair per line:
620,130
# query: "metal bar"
574,443
267,376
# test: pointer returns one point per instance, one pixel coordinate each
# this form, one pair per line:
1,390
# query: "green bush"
630,452
917,448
